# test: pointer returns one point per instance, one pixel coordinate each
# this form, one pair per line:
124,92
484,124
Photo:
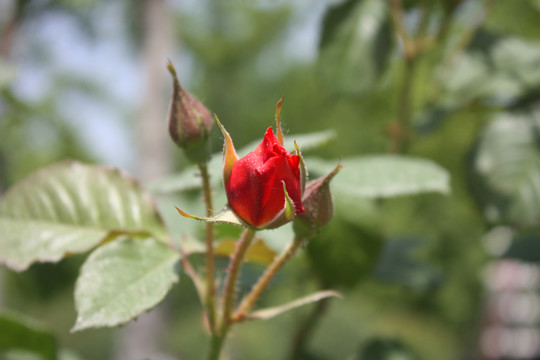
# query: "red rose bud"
263,188
319,205
190,122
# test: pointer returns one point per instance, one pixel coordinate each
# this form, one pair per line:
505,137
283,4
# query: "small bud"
319,205
190,122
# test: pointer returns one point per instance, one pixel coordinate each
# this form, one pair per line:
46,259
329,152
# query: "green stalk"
216,344
229,294
249,301
210,304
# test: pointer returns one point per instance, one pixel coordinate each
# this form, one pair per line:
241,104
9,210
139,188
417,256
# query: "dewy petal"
229,153
244,188
278,172
267,148
274,173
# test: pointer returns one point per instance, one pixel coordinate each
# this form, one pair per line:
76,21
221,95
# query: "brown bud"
319,205
190,122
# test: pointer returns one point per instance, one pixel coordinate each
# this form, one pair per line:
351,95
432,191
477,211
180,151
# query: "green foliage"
503,17
70,208
381,176
400,264
346,250
46,135
17,332
386,349
490,70
123,279
465,96
506,165
355,46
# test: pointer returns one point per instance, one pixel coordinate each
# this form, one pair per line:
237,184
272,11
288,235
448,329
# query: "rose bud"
319,206
190,122
264,187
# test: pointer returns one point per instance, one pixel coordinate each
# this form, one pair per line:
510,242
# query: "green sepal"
225,216
229,153
303,168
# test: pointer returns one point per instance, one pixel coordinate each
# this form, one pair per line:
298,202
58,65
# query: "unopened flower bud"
190,122
318,204
264,187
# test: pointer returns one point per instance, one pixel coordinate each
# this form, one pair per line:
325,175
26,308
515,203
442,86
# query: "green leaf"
506,168
497,68
520,18
265,314
121,280
17,332
70,208
355,46
381,176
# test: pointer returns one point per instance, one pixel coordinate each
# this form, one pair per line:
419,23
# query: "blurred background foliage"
454,81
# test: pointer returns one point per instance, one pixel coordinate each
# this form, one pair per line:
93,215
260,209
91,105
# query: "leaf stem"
210,302
249,301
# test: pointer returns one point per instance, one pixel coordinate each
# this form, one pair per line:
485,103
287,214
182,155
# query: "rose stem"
210,282
229,293
264,280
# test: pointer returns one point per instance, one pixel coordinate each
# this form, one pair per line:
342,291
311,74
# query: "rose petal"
255,185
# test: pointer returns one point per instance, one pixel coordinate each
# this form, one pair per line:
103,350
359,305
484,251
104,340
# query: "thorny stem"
210,282
249,301
218,337
234,269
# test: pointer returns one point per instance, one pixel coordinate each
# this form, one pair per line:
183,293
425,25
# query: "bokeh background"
424,277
